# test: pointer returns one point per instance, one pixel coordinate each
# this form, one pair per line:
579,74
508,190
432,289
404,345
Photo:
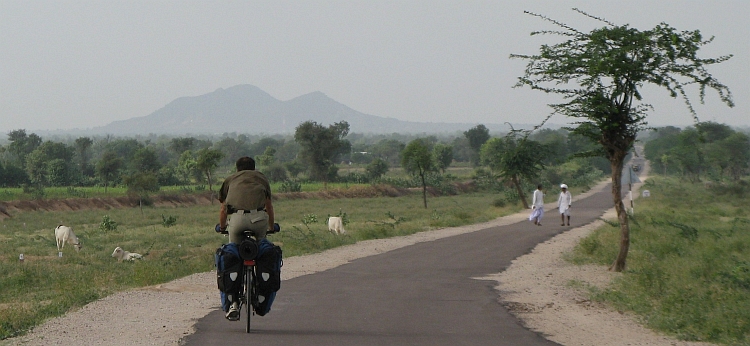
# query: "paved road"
423,294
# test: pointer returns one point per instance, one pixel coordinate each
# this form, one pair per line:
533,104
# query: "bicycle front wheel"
248,295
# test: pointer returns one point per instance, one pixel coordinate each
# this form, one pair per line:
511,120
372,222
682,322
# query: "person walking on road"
563,203
537,206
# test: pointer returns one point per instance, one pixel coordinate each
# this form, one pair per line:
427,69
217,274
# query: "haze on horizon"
72,64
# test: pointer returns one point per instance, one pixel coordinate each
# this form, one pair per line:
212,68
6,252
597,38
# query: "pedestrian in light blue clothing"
537,206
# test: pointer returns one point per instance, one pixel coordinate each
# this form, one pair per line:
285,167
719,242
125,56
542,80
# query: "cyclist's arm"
223,216
269,210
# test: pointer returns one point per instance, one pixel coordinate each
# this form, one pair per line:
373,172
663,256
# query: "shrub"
291,186
168,221
107,224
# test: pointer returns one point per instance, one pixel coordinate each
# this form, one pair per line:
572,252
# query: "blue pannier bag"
268,272
229,272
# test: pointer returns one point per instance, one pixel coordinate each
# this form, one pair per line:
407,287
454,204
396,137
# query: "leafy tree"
555,143
287,152
233,148
187,167
13,176
600,74
22,145
207,162
82,147
268,157
712,131
145,160
717,157
376,168
36,168
657,149
141,184
443,156
515,158
260,147
462,152
276,172
181,144
168,176
108,168
389,150
321,146
50,164
294,168
123,148
417,160
58,173
738,148
477,136
688,155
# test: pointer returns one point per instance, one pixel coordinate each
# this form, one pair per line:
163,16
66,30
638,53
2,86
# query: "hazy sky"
81,64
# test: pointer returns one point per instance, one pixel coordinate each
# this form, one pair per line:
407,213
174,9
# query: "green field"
44,285
688,271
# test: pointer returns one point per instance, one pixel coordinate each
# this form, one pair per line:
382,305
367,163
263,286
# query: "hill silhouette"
248,109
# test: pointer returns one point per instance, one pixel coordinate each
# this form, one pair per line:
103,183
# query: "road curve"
422,294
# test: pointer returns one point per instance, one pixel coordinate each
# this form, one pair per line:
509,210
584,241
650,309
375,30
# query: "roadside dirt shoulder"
536,288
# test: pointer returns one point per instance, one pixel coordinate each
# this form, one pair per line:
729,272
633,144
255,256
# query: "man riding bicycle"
245,198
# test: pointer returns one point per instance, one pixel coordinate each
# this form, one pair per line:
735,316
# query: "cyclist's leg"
236,225
260,228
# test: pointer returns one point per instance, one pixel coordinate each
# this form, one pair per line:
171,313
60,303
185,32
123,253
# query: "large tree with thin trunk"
515,158
601,73
321,146
477,135
417,160
207,161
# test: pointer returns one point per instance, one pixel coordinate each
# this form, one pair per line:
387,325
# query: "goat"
121,255
65,234
336,225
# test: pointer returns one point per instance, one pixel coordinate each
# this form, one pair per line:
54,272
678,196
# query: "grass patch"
44,286
688,269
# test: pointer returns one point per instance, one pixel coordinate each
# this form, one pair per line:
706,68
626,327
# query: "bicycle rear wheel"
248,295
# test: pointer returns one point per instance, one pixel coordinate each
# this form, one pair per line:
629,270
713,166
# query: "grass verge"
688,269
45,286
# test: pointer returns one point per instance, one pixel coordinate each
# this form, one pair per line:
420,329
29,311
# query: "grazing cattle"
64,234
336,225
121,255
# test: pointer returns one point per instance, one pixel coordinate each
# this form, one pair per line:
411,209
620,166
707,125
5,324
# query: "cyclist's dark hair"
245,163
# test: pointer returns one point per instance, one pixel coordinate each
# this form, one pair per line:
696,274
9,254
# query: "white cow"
121,255
64,234
336,225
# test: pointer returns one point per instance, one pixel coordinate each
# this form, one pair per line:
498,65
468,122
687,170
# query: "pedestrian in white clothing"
537,206
563,203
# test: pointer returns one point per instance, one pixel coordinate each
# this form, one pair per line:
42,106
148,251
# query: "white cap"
563,186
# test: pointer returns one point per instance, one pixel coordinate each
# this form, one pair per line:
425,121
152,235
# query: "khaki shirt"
245,190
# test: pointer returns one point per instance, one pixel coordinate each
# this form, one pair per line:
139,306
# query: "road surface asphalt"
423,294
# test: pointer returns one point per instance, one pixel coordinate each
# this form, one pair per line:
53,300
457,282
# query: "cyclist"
245,198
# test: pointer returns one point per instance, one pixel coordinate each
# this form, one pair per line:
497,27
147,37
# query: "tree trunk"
208,175
616,162
424,190
517,184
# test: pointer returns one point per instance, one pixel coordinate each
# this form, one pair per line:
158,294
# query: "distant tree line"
707,150
513,163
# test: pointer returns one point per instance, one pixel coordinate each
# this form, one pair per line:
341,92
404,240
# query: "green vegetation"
45,286
688,273
601,76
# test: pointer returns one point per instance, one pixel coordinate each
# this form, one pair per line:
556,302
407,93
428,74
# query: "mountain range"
248,109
